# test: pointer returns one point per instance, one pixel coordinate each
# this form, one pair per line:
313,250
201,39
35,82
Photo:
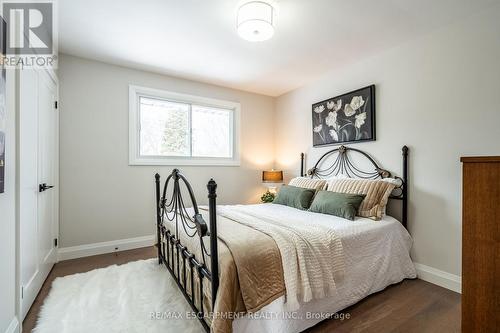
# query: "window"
176,129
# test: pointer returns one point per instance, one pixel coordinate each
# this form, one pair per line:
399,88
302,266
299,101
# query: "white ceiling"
197,39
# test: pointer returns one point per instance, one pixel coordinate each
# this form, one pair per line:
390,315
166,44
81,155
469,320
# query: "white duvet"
376,255
311,254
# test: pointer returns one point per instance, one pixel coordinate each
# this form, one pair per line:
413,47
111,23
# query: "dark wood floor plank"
403,307
410,306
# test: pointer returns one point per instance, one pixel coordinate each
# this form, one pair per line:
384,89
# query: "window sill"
185,161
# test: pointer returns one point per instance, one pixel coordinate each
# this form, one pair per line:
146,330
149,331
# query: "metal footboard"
172,217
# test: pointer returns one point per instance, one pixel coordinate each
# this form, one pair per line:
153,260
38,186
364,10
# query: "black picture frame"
347,118
3,110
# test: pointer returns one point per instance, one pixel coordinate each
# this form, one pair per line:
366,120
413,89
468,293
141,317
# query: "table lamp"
271,179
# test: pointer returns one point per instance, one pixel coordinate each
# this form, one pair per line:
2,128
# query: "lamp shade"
272,176
255,21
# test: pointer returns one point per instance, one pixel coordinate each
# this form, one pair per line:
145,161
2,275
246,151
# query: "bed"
274,268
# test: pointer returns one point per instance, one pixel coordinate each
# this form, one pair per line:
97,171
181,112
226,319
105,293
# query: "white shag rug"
140,296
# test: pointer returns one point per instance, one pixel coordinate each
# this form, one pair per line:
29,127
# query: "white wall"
102,197
440,95
8,303
437,94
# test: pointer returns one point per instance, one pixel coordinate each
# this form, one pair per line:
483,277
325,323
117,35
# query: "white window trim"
134,133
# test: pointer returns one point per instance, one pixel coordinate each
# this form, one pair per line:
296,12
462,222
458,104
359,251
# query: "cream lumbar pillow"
377,194
304,182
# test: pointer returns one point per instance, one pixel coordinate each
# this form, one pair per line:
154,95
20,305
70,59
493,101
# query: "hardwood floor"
410,306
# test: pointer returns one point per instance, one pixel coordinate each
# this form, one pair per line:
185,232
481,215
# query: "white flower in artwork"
348,110
357,102
331,120
334,135
334,106
360,119
318,128
319,109
338,106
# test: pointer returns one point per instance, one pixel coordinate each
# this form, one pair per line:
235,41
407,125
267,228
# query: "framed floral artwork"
3,111
345,119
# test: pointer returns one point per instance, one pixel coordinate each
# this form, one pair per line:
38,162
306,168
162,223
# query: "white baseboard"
440,278
13,326
80,251
424,272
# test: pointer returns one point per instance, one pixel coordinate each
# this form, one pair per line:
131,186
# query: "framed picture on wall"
346,118
2,129
3,111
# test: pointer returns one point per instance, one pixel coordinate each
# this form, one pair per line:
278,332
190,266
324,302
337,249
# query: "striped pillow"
377,194
304,182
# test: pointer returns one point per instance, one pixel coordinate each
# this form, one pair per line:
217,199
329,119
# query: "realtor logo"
35,25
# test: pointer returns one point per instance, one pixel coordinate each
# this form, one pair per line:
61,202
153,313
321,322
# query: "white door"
38,177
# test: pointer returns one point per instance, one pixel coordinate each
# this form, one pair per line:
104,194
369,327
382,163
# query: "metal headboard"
339,161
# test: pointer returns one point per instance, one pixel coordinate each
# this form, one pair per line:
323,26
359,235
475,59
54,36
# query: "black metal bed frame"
171,215
174,210
342,164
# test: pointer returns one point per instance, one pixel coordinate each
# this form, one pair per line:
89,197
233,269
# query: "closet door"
38,160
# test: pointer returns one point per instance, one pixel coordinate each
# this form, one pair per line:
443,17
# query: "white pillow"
397,183
336,177
305,182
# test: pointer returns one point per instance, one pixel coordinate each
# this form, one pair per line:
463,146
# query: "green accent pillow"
293,196
339,204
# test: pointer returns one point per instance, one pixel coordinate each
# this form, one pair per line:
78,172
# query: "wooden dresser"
480,244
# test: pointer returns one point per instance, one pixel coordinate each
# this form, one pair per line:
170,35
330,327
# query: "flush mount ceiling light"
256,20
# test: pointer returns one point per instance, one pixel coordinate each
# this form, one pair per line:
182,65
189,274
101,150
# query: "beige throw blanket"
312,256
262,259
250,272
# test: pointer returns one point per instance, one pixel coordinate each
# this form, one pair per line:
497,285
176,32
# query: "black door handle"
44,187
